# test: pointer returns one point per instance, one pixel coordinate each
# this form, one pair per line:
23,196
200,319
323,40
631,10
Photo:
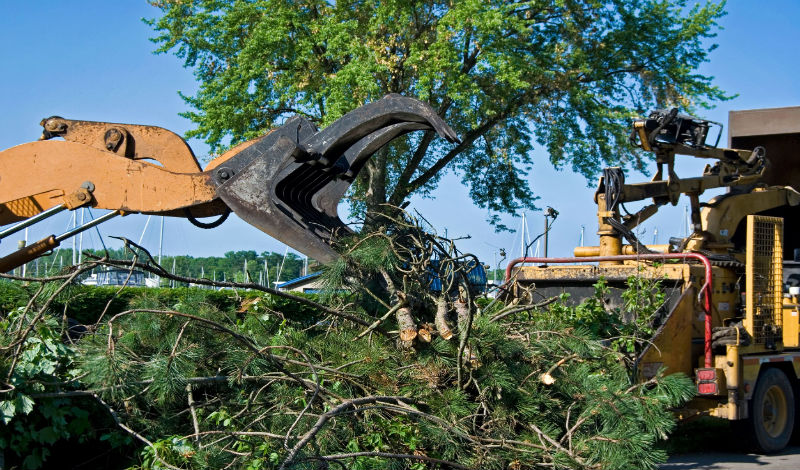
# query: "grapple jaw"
289,183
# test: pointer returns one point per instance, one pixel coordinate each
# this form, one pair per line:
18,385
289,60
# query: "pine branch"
237,285
419,457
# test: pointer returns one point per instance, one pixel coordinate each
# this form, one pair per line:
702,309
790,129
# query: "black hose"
208,225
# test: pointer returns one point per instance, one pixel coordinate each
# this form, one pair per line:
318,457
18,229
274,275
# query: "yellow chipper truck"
733,322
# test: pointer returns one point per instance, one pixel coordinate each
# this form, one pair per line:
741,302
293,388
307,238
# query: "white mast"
25,266
74,242
147,222
161,240
80,240
278,280
686,222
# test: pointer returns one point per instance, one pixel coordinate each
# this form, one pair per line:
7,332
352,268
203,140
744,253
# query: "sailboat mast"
74,241
80,239
161,240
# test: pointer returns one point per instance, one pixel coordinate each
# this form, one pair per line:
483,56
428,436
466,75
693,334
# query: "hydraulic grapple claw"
290,182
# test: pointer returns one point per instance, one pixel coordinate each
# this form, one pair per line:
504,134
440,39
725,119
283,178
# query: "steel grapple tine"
328,144
326,199
290,185
312,190
356,156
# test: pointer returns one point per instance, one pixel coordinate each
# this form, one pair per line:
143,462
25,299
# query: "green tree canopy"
566,74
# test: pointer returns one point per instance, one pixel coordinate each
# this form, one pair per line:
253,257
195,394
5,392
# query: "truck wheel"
772,411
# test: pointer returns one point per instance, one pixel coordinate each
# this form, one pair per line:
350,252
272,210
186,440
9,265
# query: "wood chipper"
733,324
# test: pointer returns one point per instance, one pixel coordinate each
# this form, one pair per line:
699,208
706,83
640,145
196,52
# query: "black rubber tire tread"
762,441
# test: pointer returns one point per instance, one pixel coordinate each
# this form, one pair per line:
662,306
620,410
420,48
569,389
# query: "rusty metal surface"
230,164
251,196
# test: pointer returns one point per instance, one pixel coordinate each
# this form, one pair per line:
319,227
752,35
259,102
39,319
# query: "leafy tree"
566,74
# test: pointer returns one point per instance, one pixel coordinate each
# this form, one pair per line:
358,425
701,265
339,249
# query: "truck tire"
772,412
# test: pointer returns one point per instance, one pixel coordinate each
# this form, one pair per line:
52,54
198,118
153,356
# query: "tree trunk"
376,188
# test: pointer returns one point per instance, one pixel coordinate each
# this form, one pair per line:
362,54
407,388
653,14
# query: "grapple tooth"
330,143
290,187
251,195
326,199
357,155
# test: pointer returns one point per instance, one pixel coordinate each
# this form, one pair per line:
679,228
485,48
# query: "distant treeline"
229,267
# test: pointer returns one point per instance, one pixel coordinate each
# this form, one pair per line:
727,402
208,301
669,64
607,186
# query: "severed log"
441,319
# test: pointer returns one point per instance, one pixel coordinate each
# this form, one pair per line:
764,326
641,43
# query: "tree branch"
442,162
240,285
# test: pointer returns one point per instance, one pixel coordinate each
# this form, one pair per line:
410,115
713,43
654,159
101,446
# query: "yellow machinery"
733,323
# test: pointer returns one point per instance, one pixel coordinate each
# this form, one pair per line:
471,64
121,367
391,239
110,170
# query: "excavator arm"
287,183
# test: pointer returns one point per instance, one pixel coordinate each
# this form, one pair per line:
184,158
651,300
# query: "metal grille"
764,283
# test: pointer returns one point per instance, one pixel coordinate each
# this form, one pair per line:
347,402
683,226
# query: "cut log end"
425,333
441,320
408,335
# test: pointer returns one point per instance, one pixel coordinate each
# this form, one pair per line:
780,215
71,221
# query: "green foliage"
32,425
40,356
86,303
250,363
229,267
172,448
566,75
627,327
35,421
13,295
620,422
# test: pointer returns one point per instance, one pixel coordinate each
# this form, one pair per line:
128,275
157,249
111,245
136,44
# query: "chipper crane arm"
287,183
667,134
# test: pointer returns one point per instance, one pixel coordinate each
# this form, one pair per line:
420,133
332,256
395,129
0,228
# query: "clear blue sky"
92,60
